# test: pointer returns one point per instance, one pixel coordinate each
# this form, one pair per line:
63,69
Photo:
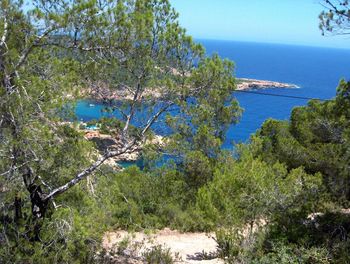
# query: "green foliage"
110,125
71,235
250,190
317,138
138,199
235,248
49,55
200,128
229,246
290,170
198,169
286,254
261,199
158,255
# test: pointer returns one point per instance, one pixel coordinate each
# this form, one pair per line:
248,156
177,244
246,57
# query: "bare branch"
336,10
29,49
4,35
336,17
137,94
86,172
155,117
76,46
13,168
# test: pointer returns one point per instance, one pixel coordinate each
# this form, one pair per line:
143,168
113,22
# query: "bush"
292,254
229,246
158,255
110,124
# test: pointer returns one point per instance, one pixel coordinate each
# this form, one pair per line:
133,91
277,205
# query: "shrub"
158,255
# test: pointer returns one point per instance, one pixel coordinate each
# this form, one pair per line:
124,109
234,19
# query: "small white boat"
91,105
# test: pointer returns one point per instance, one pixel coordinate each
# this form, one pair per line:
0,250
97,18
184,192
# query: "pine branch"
4,35
86,172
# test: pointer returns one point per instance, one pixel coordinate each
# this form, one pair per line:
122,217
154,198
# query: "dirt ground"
188,247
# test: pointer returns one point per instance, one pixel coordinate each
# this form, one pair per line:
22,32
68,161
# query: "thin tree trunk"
18,209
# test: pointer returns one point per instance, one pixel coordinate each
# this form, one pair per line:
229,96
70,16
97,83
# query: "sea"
317,71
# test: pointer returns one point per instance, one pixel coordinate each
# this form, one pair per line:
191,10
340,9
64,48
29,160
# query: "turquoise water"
316,70
127,164
92,127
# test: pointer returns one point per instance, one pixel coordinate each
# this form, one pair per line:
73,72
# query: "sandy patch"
189,247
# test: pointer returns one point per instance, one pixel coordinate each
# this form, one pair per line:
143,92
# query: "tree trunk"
18,209
39,204
39,208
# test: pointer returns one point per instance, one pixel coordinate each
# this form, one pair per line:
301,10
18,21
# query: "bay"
315,70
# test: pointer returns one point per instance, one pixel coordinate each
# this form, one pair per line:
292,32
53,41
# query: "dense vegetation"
278,199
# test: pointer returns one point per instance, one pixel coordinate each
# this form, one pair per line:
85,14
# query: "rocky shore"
248,84
104,142
101,92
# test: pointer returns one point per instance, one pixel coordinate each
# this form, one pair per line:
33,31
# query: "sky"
273,21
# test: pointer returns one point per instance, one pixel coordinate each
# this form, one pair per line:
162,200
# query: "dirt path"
188,246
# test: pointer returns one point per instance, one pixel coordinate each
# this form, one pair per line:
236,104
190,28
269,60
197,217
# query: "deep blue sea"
316,70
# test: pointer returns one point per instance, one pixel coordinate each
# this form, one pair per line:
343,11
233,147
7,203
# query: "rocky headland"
101,92
249,84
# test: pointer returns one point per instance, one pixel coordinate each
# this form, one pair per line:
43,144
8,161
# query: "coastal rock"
104,142
247,84
101,92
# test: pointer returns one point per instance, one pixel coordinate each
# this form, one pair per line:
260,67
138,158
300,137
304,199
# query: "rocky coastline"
100,92
105,141
249,84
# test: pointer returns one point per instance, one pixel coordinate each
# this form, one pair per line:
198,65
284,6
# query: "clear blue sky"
275,21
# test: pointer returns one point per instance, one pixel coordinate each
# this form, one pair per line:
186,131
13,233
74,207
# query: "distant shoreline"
102,93
247,84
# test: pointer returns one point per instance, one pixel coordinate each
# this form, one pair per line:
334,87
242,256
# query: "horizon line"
272,43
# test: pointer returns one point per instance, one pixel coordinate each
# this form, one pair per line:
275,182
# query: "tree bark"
18,209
